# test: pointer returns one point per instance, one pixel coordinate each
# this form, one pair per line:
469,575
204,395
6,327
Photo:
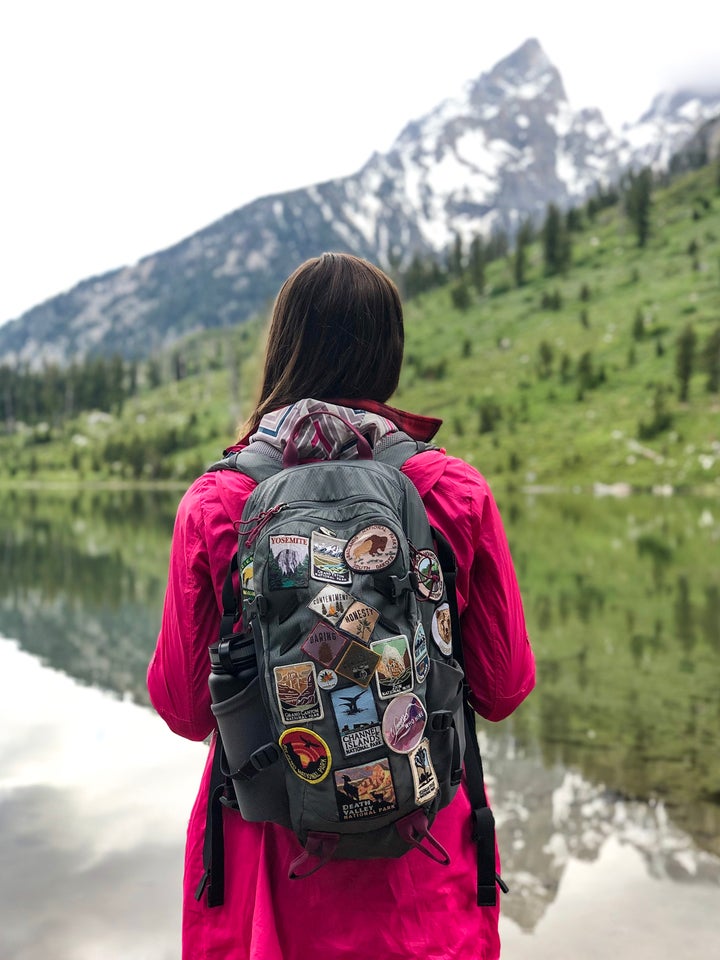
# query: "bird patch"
307,754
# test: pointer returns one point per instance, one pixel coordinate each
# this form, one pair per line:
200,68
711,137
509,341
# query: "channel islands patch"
307,754
403,723
357,719
424,776
394,671
297,693
324,643
365,791
374,548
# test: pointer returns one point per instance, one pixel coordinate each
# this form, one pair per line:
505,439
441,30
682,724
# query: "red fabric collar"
414,424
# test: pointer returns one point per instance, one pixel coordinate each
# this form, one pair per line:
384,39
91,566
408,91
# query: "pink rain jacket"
396,909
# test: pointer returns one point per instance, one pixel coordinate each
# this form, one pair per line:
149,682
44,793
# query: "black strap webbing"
483,820
213,878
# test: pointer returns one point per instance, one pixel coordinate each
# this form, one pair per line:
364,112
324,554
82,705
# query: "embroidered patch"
403,723
297,693
328,559
429,575
358,663
288,563
442,629
357,719
365,791
327,679
331,604
420,654
374,548
424,776
247,584
307,754
324,643
359,621
394,671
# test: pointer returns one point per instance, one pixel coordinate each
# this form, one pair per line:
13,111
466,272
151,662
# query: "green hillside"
565,381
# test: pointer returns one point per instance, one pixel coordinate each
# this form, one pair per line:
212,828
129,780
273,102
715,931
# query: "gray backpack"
340,704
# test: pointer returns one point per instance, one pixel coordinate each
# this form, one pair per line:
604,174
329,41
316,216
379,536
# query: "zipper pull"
260,520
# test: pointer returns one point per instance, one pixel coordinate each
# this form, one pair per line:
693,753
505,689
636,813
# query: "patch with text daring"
324,643
365,791
357,719
442,629
394,671
327,679
420,654
358,663
424,776
429,575
403,723
288,562
297,693
374,548
331,603
328,559
247,584
359,621
307,754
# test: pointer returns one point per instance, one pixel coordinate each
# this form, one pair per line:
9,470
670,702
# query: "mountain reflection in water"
612,766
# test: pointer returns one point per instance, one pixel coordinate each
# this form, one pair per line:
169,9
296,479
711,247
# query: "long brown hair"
336,332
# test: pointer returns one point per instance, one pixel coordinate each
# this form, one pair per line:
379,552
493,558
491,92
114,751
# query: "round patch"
327,679
403,723
442,629
374,548
429,575
307,754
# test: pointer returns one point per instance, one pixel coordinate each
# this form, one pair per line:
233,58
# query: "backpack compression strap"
483,822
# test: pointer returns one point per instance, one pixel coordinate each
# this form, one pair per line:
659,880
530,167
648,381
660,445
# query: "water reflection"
613,762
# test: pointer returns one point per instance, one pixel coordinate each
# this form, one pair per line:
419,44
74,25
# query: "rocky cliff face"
499,152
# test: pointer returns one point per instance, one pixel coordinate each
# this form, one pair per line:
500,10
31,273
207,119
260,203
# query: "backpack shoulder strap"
259,465
397,447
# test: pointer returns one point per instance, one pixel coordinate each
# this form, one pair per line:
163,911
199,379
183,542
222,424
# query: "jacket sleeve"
499,661
178,671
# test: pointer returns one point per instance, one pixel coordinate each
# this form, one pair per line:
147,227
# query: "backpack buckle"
441,720
265,756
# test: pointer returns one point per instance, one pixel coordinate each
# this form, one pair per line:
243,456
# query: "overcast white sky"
127,126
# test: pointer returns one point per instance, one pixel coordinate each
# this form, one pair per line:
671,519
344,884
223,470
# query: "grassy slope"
545,435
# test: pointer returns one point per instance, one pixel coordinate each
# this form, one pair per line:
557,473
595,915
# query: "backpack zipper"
262,519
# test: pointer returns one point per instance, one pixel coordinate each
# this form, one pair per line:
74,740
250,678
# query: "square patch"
331,604
297,693
324,643
357,719
365,791
359,621
328,559
358,664
394,673
288,562
424,776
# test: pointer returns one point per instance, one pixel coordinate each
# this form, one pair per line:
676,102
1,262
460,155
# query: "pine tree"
638,201
685,360
476,265
711,357
555,241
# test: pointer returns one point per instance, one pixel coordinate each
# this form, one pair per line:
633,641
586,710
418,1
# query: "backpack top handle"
290,451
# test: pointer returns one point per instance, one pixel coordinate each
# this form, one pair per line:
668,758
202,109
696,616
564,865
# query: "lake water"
605,784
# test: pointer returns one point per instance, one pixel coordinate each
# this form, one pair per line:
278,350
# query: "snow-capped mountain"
500,151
